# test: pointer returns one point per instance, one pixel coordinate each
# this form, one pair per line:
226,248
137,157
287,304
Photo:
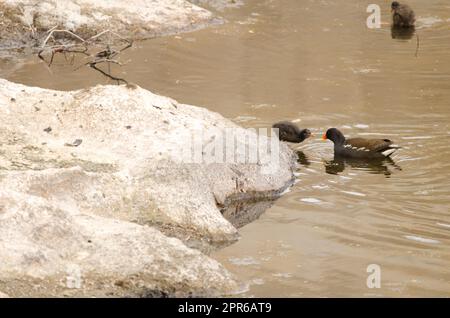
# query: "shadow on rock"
240,214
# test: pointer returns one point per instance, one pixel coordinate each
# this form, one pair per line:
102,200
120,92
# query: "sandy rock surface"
97,179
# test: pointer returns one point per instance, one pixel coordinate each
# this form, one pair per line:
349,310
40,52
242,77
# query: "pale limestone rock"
49,251
83,176
130,163
25,22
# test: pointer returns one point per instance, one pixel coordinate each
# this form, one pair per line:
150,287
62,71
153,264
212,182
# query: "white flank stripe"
388,152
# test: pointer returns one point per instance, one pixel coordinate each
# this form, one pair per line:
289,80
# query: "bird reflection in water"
302,158
399,33
339,164
402,33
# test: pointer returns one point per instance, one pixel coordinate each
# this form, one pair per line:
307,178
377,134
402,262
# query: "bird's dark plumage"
288,131
360,147
402,15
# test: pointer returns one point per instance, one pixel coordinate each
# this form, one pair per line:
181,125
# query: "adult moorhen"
359,148
402,15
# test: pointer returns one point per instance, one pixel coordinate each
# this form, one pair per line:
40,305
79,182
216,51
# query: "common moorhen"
359,147
402,15
288,131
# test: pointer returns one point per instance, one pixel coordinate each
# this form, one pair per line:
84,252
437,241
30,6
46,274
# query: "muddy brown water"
316,62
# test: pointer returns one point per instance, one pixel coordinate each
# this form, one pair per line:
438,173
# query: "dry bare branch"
85,47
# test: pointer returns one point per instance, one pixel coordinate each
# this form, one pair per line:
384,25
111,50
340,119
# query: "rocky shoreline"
96,198
24,24
119,204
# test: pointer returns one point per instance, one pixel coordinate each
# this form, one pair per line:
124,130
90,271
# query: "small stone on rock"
75,143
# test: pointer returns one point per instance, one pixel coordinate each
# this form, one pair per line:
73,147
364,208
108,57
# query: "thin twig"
108,75
418,44
62,31
105,56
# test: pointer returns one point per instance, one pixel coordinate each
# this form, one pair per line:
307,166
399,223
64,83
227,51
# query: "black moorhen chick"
359,148
402,15
288,131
